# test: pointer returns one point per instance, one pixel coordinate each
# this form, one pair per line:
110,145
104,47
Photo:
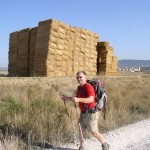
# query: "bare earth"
132,137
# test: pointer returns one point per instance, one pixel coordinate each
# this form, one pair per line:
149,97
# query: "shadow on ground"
49,147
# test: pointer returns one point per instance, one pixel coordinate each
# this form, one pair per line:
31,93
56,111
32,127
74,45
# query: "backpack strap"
86,106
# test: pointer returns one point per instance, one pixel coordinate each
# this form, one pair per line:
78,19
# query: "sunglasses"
79,77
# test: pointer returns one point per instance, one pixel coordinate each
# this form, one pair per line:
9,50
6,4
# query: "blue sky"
125,24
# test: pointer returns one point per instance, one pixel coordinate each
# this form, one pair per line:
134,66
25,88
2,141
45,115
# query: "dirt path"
132,137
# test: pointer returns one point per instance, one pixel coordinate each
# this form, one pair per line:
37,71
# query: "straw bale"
64,68
105,66
84,31
13,50
115,58
103,43
77,49
72,29
60,46
14,35
59,58
103,48
54,28
53,34
92,56
76,63
41,55
67,27
52,51
81,68
69,68
86,50
58,74
24,33
43,34
66,43
72,35
59,52
12,57
82,40
57,69
65,53
45,22
52,45
62,25
94,52
64,64
53,39
13,40
71,47
54,22
50,74
76,58
82,50
32,42
81,63
50,68
13,44
77,43
39,60
83,36
22,59
40,65
78,34
88,37
96,36
76,53
51,57
105,59
67,32
87,45
105,52
61,30
60,41
40,51
61,35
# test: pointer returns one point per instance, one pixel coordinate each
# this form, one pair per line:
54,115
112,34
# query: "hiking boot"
81,148
105,146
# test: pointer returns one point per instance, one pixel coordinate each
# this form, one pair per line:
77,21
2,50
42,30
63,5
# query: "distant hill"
133,63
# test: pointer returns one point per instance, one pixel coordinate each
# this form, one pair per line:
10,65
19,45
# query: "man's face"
81,78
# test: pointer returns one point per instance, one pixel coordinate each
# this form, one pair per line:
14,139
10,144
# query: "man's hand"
75,99
63,97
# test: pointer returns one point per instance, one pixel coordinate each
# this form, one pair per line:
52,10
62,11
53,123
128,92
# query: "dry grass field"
31,110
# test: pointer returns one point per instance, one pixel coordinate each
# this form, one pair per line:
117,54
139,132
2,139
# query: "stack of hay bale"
62,50
55,49
23,53
41,48
33,33
107,63
13,51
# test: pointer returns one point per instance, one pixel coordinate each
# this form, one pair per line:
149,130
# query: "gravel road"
135,136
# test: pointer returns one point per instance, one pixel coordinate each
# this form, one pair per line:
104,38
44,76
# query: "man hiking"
89,114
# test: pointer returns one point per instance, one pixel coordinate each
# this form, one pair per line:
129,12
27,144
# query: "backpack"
100,94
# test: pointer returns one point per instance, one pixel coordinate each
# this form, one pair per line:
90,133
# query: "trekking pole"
79,125
66,107
104,109
75,141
